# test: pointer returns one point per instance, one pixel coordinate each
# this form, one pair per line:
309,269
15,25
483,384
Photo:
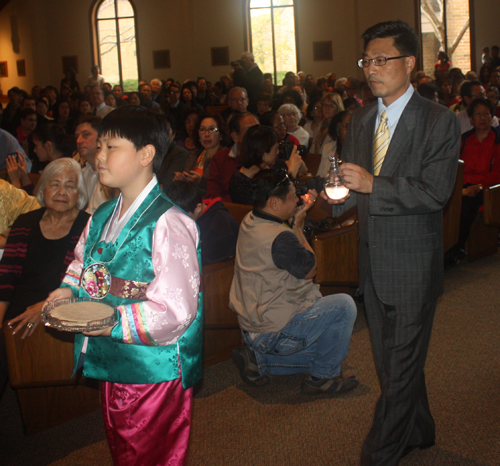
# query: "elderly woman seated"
41,242
480,152
40,247
292,115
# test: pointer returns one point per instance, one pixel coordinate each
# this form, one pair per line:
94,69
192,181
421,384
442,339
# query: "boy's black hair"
140,127
268,183
405,39
257,141
186,194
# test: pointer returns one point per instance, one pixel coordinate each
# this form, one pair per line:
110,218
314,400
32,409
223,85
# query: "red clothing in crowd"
221,171
442,66
482,159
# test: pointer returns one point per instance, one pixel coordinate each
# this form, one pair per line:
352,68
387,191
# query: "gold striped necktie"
380,143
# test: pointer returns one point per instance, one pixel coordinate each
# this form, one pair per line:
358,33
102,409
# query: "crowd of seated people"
222,135
208,121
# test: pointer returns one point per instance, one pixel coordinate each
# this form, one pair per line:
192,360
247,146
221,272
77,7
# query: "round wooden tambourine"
79,315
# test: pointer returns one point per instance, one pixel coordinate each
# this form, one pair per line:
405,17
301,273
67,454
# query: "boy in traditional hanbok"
140,253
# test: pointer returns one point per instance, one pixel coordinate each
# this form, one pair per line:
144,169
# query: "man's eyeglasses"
211,129
377,61
238,99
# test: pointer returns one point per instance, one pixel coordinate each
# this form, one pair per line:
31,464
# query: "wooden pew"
216,109
491,212
337,253
40,369
483,238
238,211
221,333
337,250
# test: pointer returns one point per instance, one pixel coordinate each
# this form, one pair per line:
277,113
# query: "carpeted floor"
235,425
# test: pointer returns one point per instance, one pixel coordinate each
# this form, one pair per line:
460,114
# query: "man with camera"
247,74
287,326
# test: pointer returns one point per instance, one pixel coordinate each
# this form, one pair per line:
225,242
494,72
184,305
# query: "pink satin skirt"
147,424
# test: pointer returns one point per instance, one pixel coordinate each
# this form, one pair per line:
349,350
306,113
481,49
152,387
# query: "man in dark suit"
177,109
401,158
247,74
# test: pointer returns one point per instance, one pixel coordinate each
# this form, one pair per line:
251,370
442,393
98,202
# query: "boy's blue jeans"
315,341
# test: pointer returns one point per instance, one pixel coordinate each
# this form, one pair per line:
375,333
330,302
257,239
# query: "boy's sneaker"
246,362
334,385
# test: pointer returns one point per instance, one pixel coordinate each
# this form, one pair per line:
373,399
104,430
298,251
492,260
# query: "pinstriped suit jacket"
400,222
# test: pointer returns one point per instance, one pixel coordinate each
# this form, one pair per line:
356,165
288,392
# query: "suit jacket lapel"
365,137
402,136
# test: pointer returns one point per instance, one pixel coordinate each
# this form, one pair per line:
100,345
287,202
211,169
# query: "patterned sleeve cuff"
134,327
72,279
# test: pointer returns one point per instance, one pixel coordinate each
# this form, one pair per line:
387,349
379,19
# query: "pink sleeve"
173,294
74,270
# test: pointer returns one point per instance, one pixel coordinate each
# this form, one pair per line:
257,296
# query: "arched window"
272,33
116,42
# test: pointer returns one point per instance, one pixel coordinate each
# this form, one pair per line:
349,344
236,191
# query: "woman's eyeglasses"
211,129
